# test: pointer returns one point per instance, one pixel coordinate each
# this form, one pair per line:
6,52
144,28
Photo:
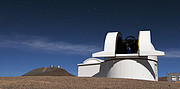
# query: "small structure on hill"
58,66
123,58
51,66
173,77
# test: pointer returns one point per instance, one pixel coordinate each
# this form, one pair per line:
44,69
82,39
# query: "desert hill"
46,71
162,79
69,82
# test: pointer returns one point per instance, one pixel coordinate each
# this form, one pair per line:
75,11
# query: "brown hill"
162,79
48,72
68,82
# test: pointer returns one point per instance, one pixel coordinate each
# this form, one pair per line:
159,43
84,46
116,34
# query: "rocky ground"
70,82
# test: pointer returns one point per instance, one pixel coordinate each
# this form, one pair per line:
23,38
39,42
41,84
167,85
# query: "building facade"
173,77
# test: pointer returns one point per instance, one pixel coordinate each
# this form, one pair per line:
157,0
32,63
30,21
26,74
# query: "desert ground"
71,82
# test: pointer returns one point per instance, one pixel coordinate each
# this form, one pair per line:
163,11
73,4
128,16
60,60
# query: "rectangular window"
173,78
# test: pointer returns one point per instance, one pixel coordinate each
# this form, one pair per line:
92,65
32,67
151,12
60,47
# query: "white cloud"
173,53
45,45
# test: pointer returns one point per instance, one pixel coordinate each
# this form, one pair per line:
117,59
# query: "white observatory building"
123,58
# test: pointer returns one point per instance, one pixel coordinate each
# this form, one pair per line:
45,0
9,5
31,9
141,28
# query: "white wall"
126,68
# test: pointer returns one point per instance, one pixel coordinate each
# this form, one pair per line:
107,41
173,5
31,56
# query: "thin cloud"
45,45
173,53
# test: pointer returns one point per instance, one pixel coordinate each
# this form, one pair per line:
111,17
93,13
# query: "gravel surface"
70,82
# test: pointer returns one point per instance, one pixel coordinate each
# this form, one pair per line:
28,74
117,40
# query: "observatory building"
123,58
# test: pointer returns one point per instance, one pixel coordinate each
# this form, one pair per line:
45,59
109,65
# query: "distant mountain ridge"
46,71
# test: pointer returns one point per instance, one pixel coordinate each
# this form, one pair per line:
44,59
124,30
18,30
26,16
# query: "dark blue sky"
38,33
